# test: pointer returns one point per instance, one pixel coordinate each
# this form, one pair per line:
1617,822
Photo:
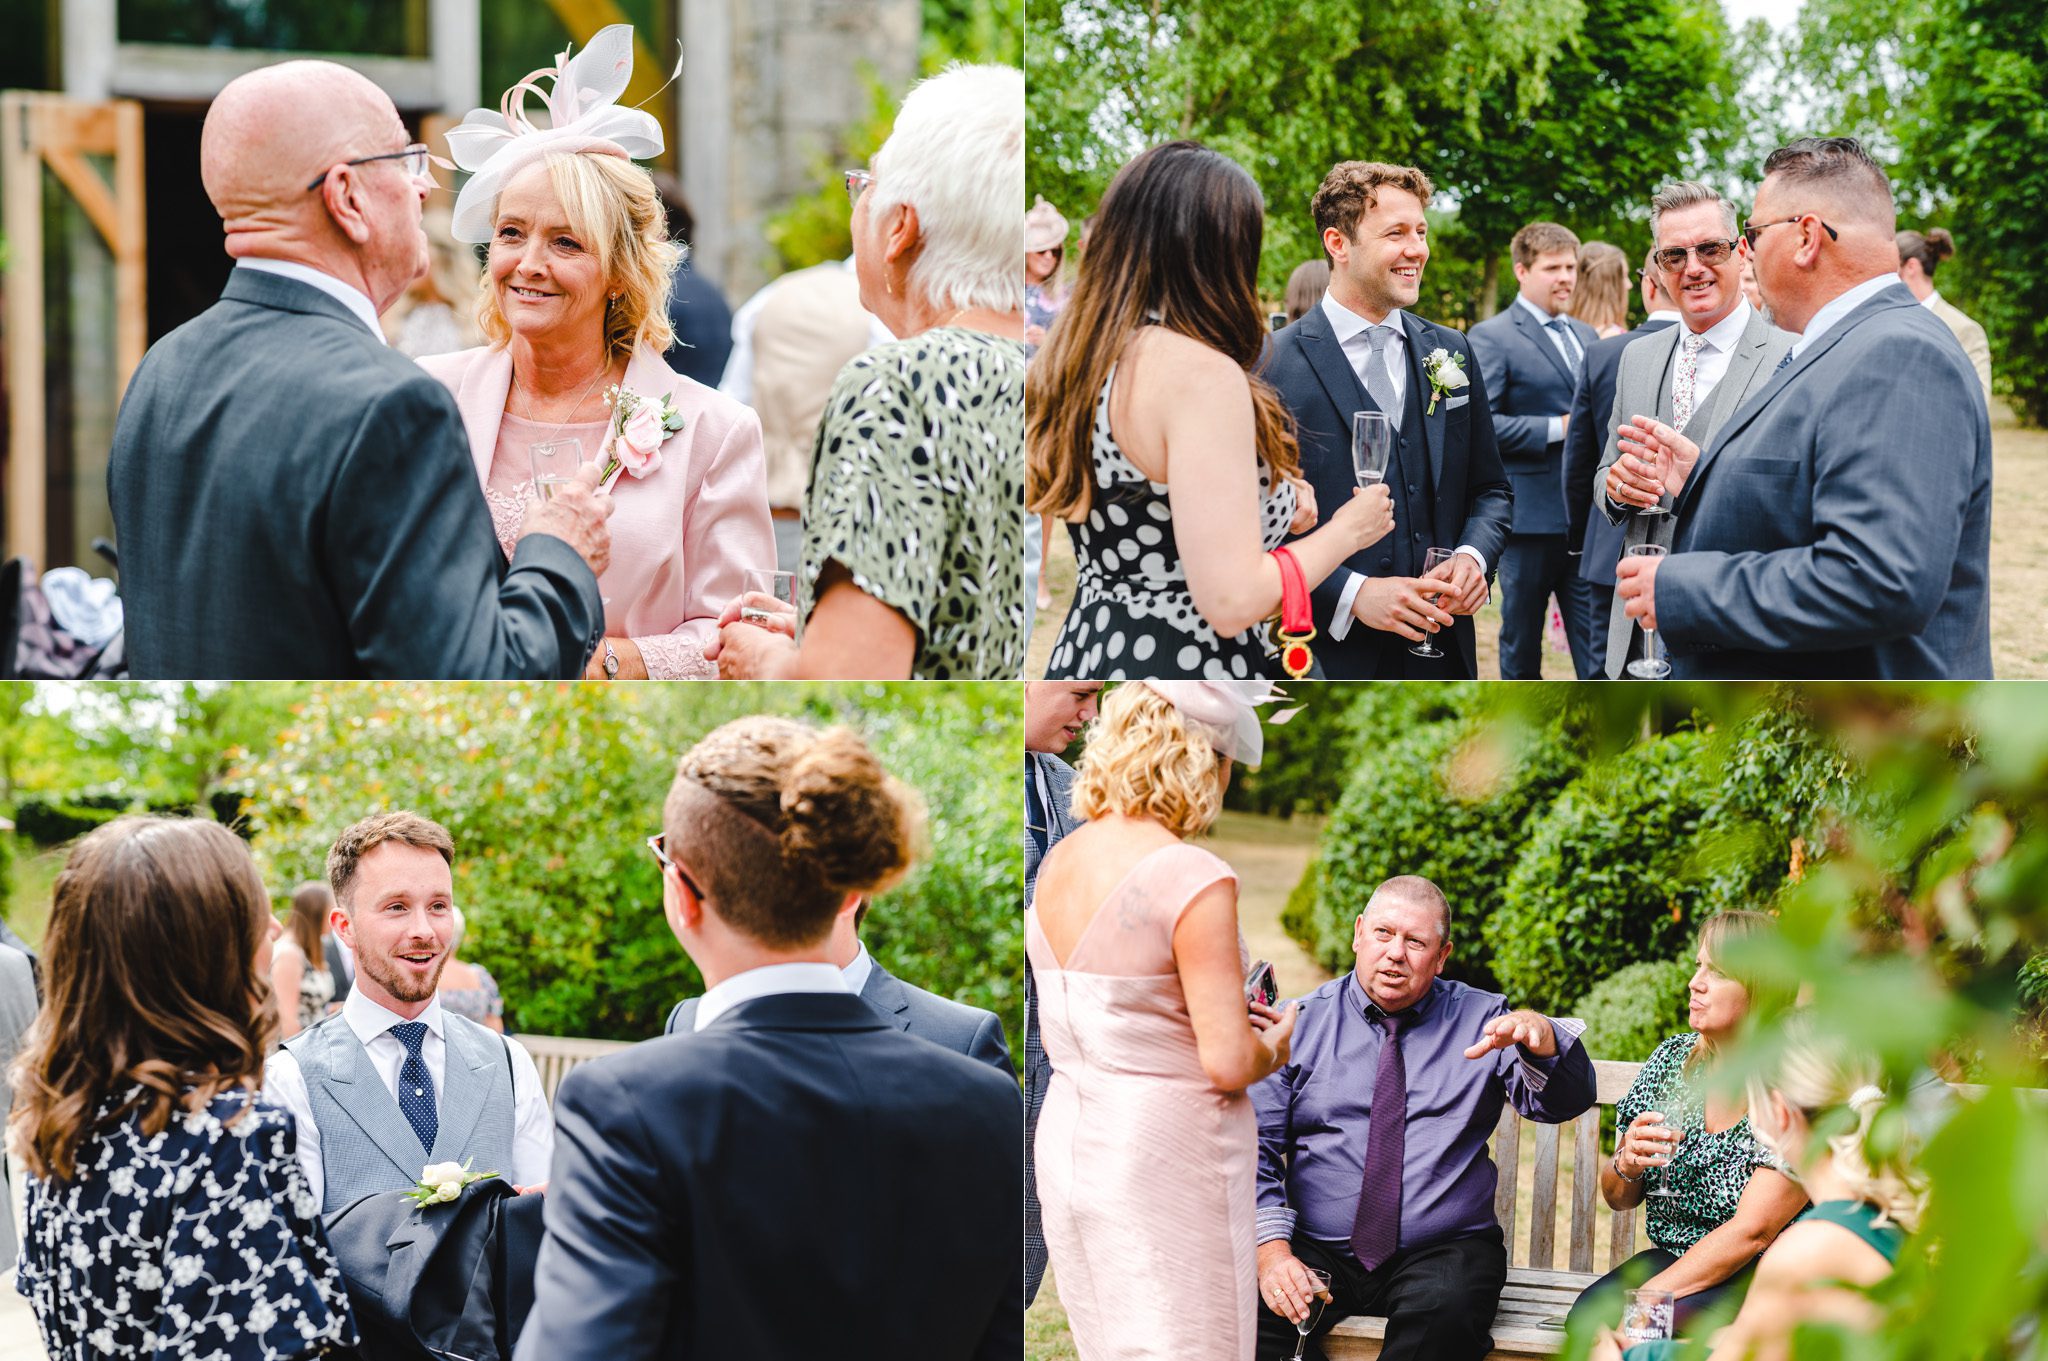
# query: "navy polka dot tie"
1781,364
415,1086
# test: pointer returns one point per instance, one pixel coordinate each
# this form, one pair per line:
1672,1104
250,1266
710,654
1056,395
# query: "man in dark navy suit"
1596,543
1359,350
1531,352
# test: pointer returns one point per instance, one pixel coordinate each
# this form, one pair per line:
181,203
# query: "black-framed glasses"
1711,253
1752,230
658,844
857,183
419,157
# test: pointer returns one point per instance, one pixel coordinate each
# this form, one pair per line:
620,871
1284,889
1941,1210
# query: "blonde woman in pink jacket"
575,305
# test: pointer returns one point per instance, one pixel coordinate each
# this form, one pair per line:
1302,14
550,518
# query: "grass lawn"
29,880
2019,569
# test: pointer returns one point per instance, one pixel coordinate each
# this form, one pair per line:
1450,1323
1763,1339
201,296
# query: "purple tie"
1376,1232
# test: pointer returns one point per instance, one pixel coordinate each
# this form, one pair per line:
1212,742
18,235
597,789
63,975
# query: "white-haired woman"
575,309
1815,1106
1147,1147
913,543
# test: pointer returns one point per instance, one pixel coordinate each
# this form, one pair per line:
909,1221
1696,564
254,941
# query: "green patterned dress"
916,483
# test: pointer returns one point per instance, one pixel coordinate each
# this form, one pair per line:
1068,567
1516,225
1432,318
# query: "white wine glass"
1372,447
1319,1296
1649,666
1431,560
1658,1176
555,463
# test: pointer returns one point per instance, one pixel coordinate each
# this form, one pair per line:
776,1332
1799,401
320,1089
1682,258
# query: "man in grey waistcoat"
1692,376
392,1082
1054,714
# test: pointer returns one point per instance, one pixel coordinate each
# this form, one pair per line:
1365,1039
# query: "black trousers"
1601,1302
1533,567
1438,1299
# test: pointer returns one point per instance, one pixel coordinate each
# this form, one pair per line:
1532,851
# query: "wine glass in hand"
1319,1287
1431,560
1658,1177
1649,666
1372,446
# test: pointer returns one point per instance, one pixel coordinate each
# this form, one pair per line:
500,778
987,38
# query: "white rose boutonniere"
1444,374
440,1183
639,427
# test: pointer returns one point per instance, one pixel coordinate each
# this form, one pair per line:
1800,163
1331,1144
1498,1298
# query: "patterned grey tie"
1379,379
1685,387
1575,353
416,1085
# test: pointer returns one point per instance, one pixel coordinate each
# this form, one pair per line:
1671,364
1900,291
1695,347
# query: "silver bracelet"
1625,1176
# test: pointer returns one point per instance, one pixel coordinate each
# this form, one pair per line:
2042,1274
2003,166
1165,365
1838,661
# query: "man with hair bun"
796,1177
1839,524
1919,253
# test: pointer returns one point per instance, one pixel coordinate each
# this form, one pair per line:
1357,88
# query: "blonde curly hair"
1143,761
615,210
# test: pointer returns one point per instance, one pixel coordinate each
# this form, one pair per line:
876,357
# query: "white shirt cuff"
1340,623
1556,430
1469,551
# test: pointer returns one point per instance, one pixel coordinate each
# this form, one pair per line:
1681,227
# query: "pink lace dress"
669,656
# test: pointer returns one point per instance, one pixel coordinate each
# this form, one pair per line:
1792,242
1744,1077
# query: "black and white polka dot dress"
1133,616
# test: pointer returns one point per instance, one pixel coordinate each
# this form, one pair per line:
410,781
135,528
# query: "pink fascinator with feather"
583,115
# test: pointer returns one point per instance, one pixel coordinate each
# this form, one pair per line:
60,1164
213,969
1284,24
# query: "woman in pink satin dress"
1147,1144
575,304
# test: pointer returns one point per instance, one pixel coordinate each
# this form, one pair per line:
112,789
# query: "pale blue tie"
1379,379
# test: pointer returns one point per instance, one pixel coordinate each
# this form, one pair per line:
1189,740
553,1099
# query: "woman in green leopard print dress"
1731,1195
913,551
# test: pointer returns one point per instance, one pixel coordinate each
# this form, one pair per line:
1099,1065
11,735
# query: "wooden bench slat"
1543,1214
1507,1144
1585,1187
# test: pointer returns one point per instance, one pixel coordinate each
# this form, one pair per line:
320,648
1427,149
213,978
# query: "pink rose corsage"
639,428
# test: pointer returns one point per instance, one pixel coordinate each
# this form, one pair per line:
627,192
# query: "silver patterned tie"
1379,379
1686,384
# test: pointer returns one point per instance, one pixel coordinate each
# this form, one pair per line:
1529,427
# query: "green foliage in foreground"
550,791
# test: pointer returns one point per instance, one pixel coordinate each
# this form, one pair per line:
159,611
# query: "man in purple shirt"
1399,1214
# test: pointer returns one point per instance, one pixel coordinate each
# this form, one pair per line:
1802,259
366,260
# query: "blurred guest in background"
299,973
1306,286
1045,292
1601,296
468,989
437,315
18,1007
1919,253
137,1107
697,311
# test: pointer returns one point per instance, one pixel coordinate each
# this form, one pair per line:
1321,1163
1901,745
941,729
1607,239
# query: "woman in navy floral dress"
167,1213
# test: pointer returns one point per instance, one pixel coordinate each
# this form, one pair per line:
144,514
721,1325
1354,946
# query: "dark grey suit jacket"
1528,382
951,1025
1472,502
1597,542
1839,525
796,1179
296,499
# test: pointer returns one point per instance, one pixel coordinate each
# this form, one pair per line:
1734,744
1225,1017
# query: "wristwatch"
611,662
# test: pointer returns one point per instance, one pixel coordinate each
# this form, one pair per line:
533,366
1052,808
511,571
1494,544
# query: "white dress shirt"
1931,299
856,972
1715,355
1841,307
354,299
1566,347
767,981
1349,328
533,1127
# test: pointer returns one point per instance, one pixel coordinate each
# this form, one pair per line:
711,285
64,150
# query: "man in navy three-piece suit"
1531,354
1359,350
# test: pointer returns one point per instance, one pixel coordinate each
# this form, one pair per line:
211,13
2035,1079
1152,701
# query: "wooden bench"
555,1055
1537,1289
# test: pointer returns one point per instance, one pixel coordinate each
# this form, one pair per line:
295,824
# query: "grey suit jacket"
295,499
1643,387
951,1025
1839,525
17,1013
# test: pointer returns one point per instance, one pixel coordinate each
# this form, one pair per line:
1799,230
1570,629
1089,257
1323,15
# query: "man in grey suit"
1054,714
951,1025
1692,377
294,498
1530,354
17,1014
1839,525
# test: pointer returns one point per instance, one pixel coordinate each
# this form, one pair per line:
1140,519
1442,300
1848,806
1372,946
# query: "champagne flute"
1316,1300
1431,560
554,465
1658,1177
1649,666
1646,1316
781,586
1372,446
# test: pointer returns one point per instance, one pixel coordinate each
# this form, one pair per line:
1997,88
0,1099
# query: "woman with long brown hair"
1601,299
1173,464
167,1213
299,973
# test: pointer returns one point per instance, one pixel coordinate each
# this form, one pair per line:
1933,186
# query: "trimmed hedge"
1445,788
53,824
1630,1013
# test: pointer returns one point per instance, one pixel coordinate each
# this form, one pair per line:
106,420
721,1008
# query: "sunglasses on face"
658,844
1710,253
1752,230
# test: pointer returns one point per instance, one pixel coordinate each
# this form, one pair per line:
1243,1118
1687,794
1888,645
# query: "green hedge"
49,823
1631,1012
1444,788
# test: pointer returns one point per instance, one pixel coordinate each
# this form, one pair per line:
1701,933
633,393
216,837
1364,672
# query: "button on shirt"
533,1126
1315,1113
1349,328
1715,355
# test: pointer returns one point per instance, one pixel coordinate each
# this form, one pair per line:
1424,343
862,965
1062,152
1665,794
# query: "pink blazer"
683,538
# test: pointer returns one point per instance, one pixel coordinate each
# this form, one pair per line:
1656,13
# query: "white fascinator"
1226,712
494,145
